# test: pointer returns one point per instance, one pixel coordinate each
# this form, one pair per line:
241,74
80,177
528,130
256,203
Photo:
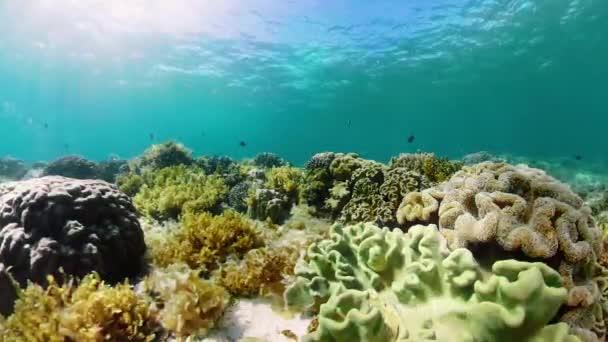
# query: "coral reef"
284,179
321,160
232,172
89,311
216,164
161,156
372,284
351,189
72,167
268,160
598,202
129,183
261,272
12,169
480,157
267,204
111,168
182,302
237,197
436,170
526,214
203,241
79,226
169,192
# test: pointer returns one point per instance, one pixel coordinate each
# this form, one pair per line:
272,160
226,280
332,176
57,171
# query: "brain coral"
78,225
374,284
530,216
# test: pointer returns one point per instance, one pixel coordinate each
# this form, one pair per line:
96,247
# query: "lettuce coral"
374,284
89,311
182,302
169,192
204,241
528,215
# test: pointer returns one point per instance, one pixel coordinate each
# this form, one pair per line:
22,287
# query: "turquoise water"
298,77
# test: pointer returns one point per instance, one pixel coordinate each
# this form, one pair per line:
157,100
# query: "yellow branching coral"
261,272
90,311
284,179
182,302
169,192
203,240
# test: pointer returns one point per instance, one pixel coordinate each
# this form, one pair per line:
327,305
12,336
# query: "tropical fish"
242,144
410,139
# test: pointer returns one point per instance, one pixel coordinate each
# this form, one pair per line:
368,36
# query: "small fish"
410,139
578,157
151,136
46,125
242,144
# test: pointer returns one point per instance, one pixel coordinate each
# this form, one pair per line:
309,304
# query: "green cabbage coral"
203,240
90,311
167,193
182,302
374,284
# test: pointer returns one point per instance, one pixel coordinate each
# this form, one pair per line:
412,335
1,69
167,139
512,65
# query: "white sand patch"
254,318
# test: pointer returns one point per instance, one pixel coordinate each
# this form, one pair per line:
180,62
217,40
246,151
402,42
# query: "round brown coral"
526,213
77,225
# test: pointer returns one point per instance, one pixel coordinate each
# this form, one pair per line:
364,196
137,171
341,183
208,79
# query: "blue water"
298,77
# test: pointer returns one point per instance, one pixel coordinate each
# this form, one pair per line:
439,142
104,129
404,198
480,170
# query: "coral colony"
173,247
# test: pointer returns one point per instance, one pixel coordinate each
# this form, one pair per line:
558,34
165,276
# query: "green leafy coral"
169,192
182,302
203,241
374,284
89,311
